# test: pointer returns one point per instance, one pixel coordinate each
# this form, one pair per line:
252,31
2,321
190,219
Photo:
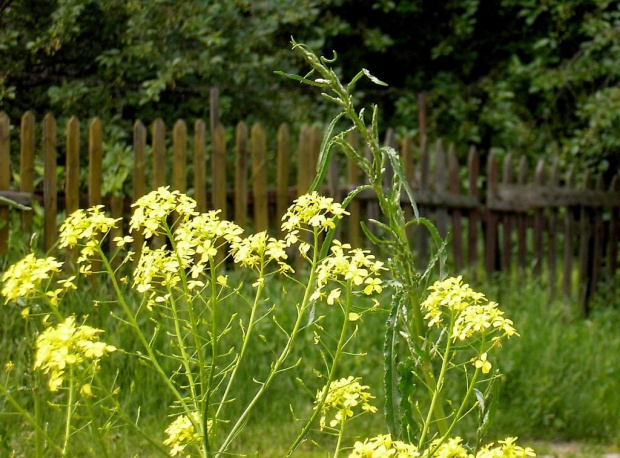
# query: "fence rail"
541,224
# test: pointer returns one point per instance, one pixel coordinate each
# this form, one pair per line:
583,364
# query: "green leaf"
324,154
301,79
391,376
12,203
398,169
373,78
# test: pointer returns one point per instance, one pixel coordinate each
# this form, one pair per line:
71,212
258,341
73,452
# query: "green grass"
561,378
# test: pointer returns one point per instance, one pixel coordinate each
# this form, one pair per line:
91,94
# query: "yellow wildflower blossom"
67,345
506,449
181,433
382,446
23,279
343,396
85,225
314,211
152,210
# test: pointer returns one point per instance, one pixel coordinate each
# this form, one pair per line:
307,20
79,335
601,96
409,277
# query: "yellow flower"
181,433
67,345
24,278
89,225
343,396
483,364
506,449
382,446
313,211
451,448
152,210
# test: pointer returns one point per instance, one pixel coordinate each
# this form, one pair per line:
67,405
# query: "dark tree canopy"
530,77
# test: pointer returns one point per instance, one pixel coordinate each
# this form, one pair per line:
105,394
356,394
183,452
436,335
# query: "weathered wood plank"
5,178
554,181
597,241
507,220
457,223
539,179
585,236
259,178
159,153
241,174
26,163
569,233
473,166
50,191
179,156
521,220
440,187
218,171
95,158
304,160
612,252
490,236
282,177
139,178
200,165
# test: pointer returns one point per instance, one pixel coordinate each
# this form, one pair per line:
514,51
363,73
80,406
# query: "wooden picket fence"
541,225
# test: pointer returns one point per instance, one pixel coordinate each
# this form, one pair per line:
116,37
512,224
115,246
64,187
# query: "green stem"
246,339
340,434
283,355
39,431
330,378
151,354
439,386
69,414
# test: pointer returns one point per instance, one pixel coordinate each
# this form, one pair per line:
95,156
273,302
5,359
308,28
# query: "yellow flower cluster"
67,345
343,396
181,433
159,266
506,449
23,279
473,313
312,210
260,249
152,210
348,265
200,235
85,225
382,446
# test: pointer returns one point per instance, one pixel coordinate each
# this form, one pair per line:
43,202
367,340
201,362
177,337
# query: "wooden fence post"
179,156
259,178
554,182
506,257
585,235
241,174
457,223
218,170
5,179
26,163
440,187
159,164
569,230
200,165
421,233
95,158
72,170
522,221
473,166
612,254
282,178
491,218
303,160
139,178
50,191
539,180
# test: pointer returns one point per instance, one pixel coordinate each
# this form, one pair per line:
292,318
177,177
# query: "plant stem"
340,434
69,414
330,377
283,355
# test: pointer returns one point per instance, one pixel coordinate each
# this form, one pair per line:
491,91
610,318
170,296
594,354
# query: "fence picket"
159,163
218,171
303,161
554,182
507,220
259,178
440,187
200,165
473,168
457,223
179,156
421,233
569,230
539,179
139,178
282,177
50,190
612,252
26,163
585,234
522,221
5,178
95,157
241,174
597,234
491,218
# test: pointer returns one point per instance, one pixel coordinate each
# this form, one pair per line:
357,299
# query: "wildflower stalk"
340,435
397,243
330,378
246,340
95,427
69,413
214,349
440,381
285,351
42,434
134,324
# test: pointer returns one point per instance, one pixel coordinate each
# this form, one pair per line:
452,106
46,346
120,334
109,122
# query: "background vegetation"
530,77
